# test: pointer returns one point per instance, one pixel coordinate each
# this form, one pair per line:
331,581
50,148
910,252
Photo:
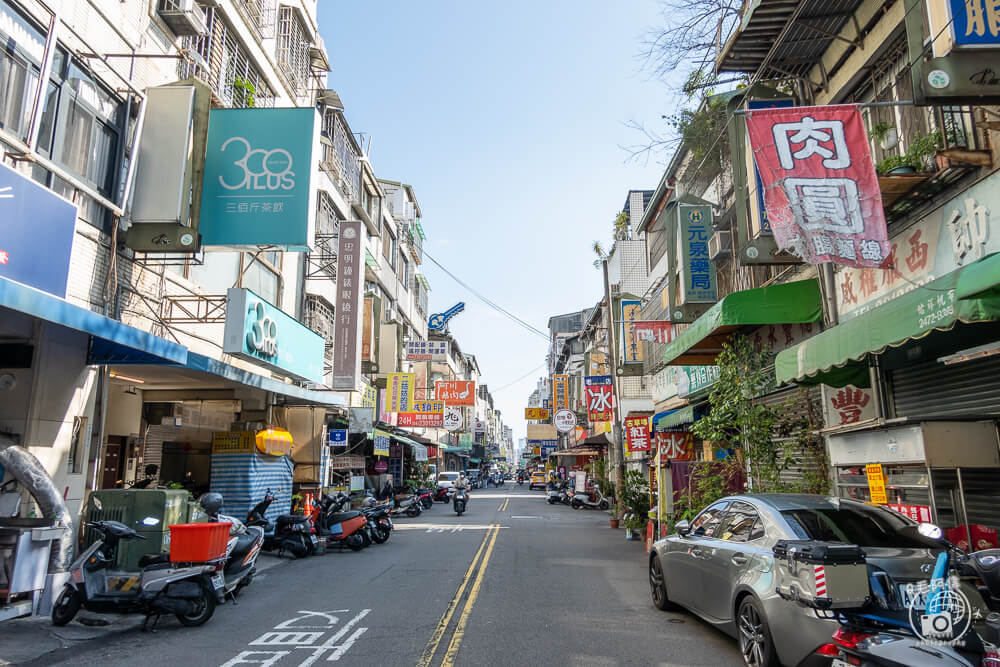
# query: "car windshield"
448,477
866,527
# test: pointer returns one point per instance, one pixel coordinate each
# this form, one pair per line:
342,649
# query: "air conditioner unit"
185,17
720,245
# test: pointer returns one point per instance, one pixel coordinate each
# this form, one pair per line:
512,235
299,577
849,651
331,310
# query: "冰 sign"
820,189
600,398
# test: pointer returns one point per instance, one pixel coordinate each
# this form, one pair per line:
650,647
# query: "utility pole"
616,441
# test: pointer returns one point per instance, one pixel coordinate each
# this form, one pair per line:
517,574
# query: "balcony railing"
319,316
340,160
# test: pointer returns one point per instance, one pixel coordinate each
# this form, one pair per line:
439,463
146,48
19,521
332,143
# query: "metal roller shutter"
811,410
931,389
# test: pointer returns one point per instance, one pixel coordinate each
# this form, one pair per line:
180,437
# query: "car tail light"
830,650
849,638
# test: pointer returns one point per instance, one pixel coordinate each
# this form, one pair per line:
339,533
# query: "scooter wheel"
576,505
380,534
413,510
604,505
356,541
66,606
204,608
427,503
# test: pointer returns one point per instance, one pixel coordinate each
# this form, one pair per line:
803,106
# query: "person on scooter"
462,483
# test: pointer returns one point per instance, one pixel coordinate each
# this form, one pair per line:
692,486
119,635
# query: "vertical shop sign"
399,392
876,483
560,392
367,330
637,434
820,188
697,270
350,283
381,447
600,401
631,350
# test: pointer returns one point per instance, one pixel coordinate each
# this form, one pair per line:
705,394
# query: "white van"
446,480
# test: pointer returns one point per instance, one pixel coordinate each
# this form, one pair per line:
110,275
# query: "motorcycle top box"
822,575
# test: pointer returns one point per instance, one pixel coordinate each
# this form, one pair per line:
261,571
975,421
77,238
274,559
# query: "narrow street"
555,583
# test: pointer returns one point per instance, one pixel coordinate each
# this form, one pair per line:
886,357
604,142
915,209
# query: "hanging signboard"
455,392
259,332
399,392
258,165
369,395
362,419
695,378
439,321
759,222
427,350
337,437
820,188
848,405
232,442
600,397
346,326
631,350
675,446
453,419
536,413
564,421
381,447
653,331
421,419
560,392
697,270
547,449
637,434
876,483
369,331
480,426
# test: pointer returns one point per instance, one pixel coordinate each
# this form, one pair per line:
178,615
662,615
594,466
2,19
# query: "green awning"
684,415
791,303
980,279
836,357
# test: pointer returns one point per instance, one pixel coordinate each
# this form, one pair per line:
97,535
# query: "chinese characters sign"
675,446
876,483
425,414
399,392
848,405
258,164
631,350
455,392
600,391
694,378
919,513
820,188
560,392
976,22
427,350
637,434
350,284
653,331
698,272
536,413
381,443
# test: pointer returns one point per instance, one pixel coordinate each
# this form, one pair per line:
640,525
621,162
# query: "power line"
489,303
512,383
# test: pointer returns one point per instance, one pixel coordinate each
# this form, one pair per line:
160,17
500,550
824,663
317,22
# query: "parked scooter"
244,545
443,495
407,504
341,525
460,501
189,591
554,493
592,500
379,522
426,497
289,532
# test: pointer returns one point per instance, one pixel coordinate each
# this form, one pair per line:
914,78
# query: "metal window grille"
340,158
293,49
319,316
262,15
220,59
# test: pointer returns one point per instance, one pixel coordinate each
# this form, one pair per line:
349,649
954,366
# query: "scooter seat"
146,560
290,519
340,517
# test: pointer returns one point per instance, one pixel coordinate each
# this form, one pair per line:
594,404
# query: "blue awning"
200,362
111,338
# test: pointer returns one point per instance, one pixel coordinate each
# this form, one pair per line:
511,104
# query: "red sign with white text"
675,446
921,513
421,419
820,189
455,392
600,398
653,331
637,434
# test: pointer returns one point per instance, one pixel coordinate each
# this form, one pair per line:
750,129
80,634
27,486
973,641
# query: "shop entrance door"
112,465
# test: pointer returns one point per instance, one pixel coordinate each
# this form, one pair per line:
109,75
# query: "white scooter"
583,499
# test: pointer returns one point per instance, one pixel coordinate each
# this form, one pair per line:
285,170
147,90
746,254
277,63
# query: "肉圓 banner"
820,189
599,398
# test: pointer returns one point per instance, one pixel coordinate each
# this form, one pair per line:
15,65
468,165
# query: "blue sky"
507,119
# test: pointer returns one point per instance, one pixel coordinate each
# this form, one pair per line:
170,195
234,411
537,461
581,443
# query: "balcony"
341,157
319,316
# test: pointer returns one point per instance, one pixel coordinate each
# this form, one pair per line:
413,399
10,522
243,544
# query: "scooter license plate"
840,663
219,581
911,598
314,540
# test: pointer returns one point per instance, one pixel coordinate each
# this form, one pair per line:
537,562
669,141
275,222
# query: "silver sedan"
720,566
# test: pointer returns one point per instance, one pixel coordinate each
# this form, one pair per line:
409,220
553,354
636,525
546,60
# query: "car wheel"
658,586
756,644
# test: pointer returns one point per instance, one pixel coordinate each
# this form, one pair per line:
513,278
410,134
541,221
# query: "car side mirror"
683,528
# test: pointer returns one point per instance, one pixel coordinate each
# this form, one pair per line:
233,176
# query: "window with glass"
852,523
293,48
262,275
20,64
389,248
742,524
708,522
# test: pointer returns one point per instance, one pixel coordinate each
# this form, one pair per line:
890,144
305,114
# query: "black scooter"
245,543
289,532
460,500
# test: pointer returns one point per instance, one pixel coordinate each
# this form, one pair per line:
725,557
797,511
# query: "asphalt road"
513,581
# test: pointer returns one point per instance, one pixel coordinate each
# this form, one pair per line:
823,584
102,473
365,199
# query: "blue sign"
36,233
258,164
439,321
546,450
976,22
262,333
338,437
697,269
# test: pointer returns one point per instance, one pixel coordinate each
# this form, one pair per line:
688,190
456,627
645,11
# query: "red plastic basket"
198,542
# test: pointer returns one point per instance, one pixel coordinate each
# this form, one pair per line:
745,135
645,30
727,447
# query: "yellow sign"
536,413
876,483
399,390
232,442
536,451
560,392
274,441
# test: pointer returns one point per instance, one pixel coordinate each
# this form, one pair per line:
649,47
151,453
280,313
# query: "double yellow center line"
503,505
480,561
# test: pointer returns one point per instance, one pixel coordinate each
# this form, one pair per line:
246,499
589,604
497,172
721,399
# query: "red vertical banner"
675,446
600,404
820,189
637,434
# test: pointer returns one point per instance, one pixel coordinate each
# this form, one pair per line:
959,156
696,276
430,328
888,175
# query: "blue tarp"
242,480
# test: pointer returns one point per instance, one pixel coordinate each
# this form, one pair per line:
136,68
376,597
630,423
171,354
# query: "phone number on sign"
930,319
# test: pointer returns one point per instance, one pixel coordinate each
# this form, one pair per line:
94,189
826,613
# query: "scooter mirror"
930,530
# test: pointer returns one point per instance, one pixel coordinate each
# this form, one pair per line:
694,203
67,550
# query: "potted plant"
895,165
923,149
885,134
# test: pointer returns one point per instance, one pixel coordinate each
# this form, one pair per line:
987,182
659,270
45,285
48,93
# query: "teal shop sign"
258,165
262,333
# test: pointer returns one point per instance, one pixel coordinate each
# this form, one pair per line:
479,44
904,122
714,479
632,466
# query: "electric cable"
513,382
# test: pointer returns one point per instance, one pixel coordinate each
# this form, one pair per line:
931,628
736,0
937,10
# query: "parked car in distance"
446,480
537,480
720,566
